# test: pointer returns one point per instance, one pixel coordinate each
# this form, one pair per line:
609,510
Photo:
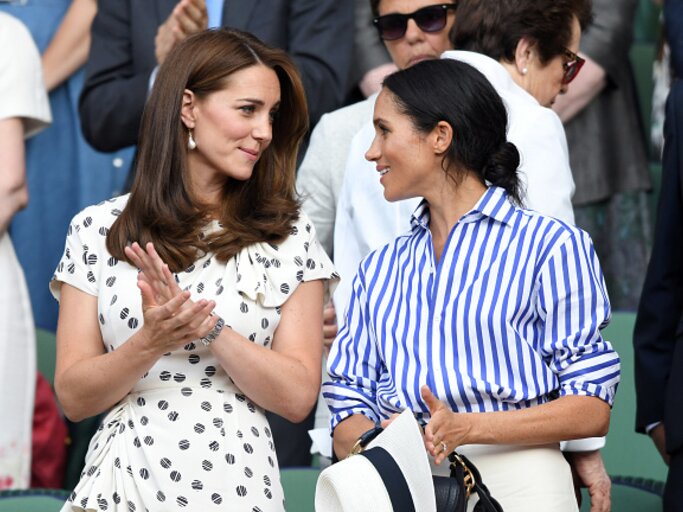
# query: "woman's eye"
273,115
248,109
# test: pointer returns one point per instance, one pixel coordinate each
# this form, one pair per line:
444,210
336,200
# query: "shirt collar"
494,71
493,203
490,68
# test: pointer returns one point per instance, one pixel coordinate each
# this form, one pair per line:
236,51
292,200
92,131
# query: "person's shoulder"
102,215
550,230
12,29
545,118
519,101
304,222
279,267
301,236
531,123
19,55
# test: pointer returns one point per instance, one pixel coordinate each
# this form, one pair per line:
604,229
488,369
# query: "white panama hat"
354,484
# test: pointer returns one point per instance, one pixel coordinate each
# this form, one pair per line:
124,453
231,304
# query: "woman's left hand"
446,429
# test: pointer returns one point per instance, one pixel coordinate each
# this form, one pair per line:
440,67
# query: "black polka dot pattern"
186,437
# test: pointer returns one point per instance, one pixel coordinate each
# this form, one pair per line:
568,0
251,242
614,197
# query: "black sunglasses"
429,19
571,68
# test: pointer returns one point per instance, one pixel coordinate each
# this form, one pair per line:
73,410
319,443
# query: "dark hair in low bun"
452,91
501,170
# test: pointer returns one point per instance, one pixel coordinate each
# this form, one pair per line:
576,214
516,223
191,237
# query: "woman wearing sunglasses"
528,51
607,151
484,319
432,18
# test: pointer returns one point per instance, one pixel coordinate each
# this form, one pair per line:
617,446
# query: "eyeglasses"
572,67
429,19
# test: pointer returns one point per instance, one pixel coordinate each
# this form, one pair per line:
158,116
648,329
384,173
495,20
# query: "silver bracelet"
213,333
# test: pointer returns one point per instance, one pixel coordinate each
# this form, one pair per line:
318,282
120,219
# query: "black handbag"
452,492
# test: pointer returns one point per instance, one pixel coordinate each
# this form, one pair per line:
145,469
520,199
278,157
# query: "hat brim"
347,485
351,484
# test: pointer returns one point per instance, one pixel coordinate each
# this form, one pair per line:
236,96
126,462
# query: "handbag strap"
473,483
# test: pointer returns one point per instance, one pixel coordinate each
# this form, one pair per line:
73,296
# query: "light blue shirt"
508,318
214,9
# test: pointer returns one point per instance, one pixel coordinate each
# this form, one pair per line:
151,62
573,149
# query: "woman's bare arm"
68,50
347,432
285,378
89,380
13,190
568,417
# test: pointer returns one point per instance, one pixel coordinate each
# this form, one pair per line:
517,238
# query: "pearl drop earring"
525,71
191,144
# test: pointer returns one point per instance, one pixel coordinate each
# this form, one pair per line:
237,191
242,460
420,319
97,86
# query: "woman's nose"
372,153
263,130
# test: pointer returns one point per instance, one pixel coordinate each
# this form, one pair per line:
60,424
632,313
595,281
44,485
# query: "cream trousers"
521,478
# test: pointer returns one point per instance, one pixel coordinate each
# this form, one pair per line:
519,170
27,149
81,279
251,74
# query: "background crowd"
100,60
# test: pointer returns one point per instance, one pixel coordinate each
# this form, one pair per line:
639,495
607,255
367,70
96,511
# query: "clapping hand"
153,271
171,318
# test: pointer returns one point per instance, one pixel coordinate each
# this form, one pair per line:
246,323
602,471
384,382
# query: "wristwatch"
213,333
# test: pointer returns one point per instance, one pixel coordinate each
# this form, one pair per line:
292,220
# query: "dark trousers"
673,492
292,442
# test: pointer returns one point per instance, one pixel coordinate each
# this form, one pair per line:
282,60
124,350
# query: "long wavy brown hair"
161,208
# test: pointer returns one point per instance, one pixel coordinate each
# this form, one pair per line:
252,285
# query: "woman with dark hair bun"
478,126
482,308
193,304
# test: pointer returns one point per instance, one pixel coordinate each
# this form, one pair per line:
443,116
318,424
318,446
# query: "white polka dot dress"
185,438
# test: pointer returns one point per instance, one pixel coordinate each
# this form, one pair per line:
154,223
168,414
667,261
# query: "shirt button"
118,162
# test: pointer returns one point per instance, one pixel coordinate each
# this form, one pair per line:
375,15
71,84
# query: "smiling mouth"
252,153
384,171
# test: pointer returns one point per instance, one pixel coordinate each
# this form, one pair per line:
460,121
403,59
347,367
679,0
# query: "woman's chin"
388,196
393,196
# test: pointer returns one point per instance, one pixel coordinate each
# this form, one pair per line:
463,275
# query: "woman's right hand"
174,322
154,271
172,319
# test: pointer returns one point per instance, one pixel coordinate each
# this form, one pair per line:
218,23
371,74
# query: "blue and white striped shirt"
509,317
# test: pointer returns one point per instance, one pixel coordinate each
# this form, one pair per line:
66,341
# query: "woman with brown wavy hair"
186,306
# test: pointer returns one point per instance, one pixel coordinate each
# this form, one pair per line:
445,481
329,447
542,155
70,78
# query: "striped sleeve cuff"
344,401
594,375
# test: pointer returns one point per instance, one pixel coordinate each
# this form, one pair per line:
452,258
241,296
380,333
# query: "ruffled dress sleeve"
269,273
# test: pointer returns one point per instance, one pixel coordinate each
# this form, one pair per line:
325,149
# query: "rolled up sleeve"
574,306
354,364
